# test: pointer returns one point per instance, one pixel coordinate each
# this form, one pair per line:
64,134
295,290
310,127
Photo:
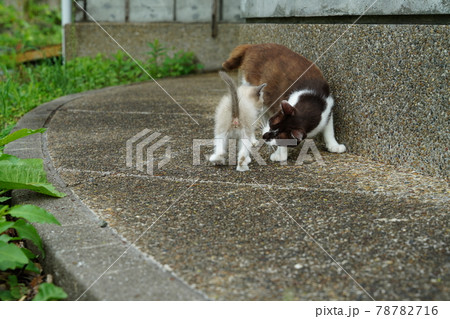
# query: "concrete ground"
351,229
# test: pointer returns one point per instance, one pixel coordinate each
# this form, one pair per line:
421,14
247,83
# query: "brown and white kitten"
297,95
235,114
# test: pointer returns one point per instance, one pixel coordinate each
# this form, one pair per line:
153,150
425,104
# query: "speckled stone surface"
88,39
267,234
391,84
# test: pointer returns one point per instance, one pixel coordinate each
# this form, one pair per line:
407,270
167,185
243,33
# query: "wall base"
88,39
390,82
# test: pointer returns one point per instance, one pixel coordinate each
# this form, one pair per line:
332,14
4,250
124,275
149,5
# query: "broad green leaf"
5,225
27,231
5,238
49,292
4,199
33,214
11,256
19,134
3,209
32,267
9,158
16,173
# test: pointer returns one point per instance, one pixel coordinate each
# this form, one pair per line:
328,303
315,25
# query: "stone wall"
158,10
87,39
326,8
390,82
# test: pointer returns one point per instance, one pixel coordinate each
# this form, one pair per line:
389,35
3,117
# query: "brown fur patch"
280,68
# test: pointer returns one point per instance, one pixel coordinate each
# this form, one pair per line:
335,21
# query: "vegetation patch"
21,276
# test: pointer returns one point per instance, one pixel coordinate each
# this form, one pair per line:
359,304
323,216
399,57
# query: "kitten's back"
279,67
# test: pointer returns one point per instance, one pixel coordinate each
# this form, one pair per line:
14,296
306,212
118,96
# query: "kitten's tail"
236,56
233,93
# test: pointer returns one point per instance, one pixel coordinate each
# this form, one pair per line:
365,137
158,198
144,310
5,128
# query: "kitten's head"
284,128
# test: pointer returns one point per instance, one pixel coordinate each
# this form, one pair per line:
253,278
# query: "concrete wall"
87,39
390,82
107,10
308,8
159,10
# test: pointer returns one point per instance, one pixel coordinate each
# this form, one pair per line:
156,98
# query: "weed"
16,261
28,86
37,26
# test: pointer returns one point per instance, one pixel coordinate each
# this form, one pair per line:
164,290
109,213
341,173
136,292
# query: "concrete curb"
88,260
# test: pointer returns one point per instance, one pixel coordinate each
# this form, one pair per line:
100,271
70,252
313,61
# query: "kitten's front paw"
337,148
254,142
217,159
278,156
242,168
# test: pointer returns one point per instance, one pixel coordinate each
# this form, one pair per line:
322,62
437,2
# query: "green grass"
26,87
36,26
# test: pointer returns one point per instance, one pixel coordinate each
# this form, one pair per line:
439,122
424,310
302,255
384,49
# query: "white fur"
266,128
328,135
280,155
295,96
250,105
324,118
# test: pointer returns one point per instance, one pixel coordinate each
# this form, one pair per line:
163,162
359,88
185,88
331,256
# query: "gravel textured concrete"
352,229
390,83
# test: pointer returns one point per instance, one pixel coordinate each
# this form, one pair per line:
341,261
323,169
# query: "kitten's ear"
259,89
297,134
286,108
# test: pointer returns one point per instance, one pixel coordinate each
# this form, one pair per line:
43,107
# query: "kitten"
297,96
235,114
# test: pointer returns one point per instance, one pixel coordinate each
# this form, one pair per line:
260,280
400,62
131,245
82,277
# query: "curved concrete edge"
88,261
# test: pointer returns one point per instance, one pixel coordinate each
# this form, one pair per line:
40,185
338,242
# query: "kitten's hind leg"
243,157
328,135
220,149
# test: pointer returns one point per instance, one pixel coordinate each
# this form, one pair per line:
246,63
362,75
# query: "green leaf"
28,253
3,209
5,238
19,134
11,256
4,199
33,214
49,292
5,225
16,173
32,267
17,289
27,231
5,295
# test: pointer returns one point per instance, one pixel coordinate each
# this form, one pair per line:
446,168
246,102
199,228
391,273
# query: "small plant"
161,64
37,26
16,261
25,87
